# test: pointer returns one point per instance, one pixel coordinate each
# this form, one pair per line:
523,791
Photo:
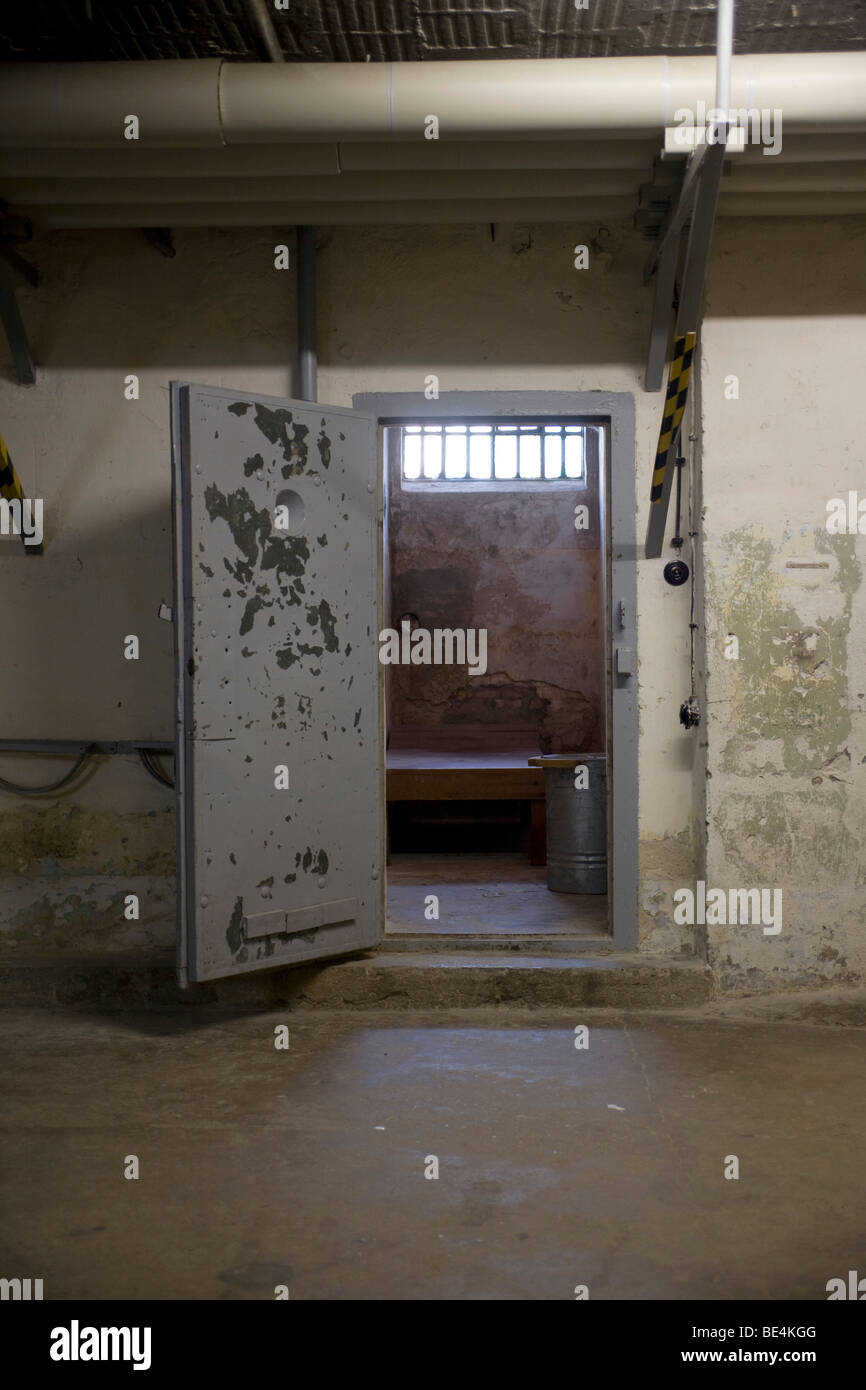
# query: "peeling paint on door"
282,777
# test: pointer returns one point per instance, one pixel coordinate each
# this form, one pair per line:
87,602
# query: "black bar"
225,1340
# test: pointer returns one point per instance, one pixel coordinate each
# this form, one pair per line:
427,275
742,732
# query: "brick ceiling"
403,30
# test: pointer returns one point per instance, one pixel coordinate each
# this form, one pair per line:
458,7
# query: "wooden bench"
465,762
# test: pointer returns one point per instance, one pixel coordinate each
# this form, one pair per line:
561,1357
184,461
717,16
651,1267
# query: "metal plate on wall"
280,755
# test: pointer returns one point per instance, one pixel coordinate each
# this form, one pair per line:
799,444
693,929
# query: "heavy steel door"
279,747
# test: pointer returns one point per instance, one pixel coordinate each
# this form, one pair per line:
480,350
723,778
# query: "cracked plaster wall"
786,794
512,564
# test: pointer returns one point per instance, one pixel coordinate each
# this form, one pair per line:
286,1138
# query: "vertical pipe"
307,314
260,17
724,52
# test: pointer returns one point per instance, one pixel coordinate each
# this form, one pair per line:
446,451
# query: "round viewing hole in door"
289,513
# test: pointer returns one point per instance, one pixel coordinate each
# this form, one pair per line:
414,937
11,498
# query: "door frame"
618,507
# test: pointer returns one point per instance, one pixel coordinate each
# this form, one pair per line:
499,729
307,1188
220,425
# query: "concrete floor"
486,893
305,1167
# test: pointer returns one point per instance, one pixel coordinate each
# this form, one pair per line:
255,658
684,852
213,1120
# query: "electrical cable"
17,790
147,758
692,534
690,710
677,539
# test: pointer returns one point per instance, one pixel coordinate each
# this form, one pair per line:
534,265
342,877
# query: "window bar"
546,433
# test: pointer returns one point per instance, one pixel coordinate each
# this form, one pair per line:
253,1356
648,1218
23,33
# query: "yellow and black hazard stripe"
10,484
11,489
675,404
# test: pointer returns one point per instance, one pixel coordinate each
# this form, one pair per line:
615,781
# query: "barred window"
489,453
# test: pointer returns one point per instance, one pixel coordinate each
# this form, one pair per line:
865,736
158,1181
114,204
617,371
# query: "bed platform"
464,762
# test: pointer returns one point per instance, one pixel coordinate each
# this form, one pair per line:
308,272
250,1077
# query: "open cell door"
279,749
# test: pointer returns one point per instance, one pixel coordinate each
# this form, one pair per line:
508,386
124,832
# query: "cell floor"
485,893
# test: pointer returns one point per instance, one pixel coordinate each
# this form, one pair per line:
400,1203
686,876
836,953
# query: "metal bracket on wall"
703,216
662,262
697,204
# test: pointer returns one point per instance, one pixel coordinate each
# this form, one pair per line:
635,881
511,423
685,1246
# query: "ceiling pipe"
539,98
329,161
258,13
260,17
420,212
797,178
286,161
527,183
307,359
207,102
333,214
724,56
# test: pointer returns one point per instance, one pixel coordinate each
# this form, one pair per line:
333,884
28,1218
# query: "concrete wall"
397,304
787,741
108,306
513,564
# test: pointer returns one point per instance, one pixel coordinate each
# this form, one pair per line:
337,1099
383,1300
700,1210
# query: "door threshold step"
486,942
380,979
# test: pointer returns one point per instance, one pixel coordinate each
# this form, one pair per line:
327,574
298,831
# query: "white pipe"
796,178
435,155
724,53
60,104
790,204
534,98
287,161
204,102
806,149
320,160
260,16
278,161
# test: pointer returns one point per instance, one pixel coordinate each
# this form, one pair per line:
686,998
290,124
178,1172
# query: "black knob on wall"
676,572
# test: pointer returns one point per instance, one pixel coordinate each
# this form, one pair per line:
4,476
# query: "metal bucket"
576,822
